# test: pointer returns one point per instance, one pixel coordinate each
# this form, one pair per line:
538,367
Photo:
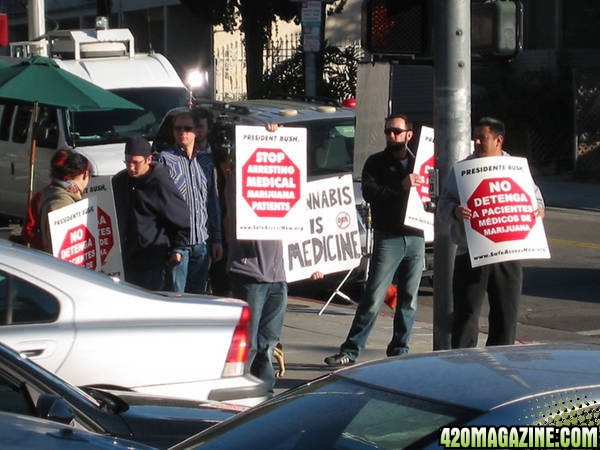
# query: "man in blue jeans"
258,277
197,186
386,182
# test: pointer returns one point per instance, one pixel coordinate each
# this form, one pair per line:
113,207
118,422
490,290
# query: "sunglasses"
184,128
394,130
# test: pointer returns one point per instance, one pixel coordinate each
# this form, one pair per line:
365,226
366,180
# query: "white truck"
107,58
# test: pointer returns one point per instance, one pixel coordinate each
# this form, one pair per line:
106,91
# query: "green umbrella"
40,80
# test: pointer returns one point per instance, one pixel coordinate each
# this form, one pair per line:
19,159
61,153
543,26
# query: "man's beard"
396,147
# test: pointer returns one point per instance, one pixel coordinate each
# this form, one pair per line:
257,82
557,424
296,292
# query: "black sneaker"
339,360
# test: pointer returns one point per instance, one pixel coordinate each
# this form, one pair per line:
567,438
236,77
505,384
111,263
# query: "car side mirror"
55,408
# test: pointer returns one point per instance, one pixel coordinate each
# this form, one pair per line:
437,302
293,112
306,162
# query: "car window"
22,302
7,113
335,415
100,127
21,125
48,127
330,146
14,396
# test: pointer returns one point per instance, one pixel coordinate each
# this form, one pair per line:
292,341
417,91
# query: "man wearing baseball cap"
152,216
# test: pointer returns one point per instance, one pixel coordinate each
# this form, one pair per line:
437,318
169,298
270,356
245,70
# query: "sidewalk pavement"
561,191
308,338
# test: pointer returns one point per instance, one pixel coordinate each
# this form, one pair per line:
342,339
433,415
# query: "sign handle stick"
338,292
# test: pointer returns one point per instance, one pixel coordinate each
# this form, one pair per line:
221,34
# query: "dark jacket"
259,260
382,178
152,215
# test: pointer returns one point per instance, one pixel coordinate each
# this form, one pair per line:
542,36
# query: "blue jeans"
392,254
191,274
267,302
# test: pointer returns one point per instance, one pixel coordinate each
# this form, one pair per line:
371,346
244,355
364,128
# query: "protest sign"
416,214
500,193
74,233
332,243
108,231
270,182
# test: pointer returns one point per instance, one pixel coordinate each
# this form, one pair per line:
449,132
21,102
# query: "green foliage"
337,82
255,18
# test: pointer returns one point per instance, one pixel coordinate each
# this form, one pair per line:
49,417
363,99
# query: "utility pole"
36,19
313,23
452,123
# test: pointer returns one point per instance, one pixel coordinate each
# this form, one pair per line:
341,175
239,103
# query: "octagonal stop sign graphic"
79,247
105,234
270,182
501,210
423,189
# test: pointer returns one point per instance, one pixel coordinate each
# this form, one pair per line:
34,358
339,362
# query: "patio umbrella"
40,80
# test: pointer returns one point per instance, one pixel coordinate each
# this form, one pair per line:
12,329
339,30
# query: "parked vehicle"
407,401
19,432
105,57
27,388
93,330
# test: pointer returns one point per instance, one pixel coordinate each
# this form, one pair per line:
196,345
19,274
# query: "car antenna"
150,49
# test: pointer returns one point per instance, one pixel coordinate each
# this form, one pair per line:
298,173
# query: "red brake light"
240,341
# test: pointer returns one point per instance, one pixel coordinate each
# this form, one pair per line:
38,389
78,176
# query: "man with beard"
386,182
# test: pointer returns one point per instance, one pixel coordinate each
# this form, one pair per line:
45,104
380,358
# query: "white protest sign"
416,215
74,233
501,195
333,241
108,231
271,182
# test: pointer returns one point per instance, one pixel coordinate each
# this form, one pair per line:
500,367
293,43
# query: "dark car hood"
162,421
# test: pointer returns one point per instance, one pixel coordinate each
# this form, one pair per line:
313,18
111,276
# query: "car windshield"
330,145
104,127
336,414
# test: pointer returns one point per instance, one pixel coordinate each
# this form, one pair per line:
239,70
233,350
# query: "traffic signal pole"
452,123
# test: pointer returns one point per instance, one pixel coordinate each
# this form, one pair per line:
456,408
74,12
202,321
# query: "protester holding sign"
153,219
387,179
70,174
258,277
501,280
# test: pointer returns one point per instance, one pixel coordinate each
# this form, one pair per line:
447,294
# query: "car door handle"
32,353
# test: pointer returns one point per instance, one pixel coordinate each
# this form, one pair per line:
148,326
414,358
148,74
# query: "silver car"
93,330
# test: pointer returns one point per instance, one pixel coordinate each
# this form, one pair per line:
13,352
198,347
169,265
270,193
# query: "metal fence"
587,118
230,64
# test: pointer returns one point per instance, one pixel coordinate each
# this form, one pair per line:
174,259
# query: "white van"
106,58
